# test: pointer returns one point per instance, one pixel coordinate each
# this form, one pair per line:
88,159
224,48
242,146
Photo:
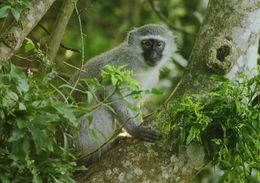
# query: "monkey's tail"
102,150
95,156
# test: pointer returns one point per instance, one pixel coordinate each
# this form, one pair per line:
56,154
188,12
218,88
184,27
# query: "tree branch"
59,28
14,36
165,19
61,45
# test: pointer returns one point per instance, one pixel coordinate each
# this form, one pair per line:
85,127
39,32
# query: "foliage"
15,7
35,49
225,122
121,78
31,118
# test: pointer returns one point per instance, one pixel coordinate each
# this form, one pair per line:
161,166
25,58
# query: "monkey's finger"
148,134
147,139
151,132
151,136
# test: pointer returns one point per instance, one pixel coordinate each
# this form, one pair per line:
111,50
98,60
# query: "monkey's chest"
148,80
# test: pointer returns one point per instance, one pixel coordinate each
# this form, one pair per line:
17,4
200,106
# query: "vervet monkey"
145,52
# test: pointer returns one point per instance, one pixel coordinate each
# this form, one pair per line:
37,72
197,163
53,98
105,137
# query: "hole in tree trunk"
223,52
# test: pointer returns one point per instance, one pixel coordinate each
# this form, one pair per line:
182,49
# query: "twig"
23,58
74,67
165,20
61,44
35,70
158,109
82,48
60,93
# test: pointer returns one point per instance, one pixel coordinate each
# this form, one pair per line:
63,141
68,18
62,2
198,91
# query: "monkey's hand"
146,133
127,118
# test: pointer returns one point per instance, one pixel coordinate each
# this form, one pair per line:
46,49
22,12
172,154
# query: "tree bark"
226,44
59,28
13,38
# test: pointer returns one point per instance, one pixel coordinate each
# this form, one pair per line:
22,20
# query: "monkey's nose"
154,56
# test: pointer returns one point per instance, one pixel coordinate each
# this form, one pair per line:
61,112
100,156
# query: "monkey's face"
152,51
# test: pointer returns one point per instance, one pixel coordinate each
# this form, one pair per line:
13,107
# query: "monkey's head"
154,43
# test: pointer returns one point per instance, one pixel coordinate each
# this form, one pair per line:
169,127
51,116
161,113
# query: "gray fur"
130,53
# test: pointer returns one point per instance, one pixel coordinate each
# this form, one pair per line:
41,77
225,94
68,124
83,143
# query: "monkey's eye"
146,43
159,44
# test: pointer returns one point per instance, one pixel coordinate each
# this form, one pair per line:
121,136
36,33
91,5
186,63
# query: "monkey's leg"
95,131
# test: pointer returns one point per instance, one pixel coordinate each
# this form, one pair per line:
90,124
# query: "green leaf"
114,80
222,178
26,146
219,78
4,11
3,152
247,150
16,12
217,141
10,99
36,177
12,95
27,4
41,140
22,107
225,163
65,147
80,168
193,133
44,119
4,178
66,112
93,135
29,45
16,135
21,123
133,82
20,78
157,91
89,97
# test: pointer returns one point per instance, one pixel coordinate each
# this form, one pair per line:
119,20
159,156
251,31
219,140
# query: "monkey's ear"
130,37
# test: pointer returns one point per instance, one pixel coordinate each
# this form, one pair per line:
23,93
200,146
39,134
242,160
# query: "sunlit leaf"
29,45
16,135
16,13
4,11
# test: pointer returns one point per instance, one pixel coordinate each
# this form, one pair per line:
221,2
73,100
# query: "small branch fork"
59,28
165,19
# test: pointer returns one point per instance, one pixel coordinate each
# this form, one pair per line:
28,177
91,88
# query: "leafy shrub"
225,122
30,120
14,7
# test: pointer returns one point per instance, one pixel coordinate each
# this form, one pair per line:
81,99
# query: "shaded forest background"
105,24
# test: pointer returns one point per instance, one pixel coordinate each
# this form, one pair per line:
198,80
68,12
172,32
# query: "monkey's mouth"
152,61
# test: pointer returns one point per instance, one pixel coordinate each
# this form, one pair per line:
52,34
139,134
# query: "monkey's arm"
128,119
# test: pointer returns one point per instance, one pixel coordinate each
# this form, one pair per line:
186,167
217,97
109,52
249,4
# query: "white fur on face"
157,37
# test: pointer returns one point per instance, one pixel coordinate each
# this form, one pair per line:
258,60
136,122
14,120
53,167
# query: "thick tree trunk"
227,44
13,38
